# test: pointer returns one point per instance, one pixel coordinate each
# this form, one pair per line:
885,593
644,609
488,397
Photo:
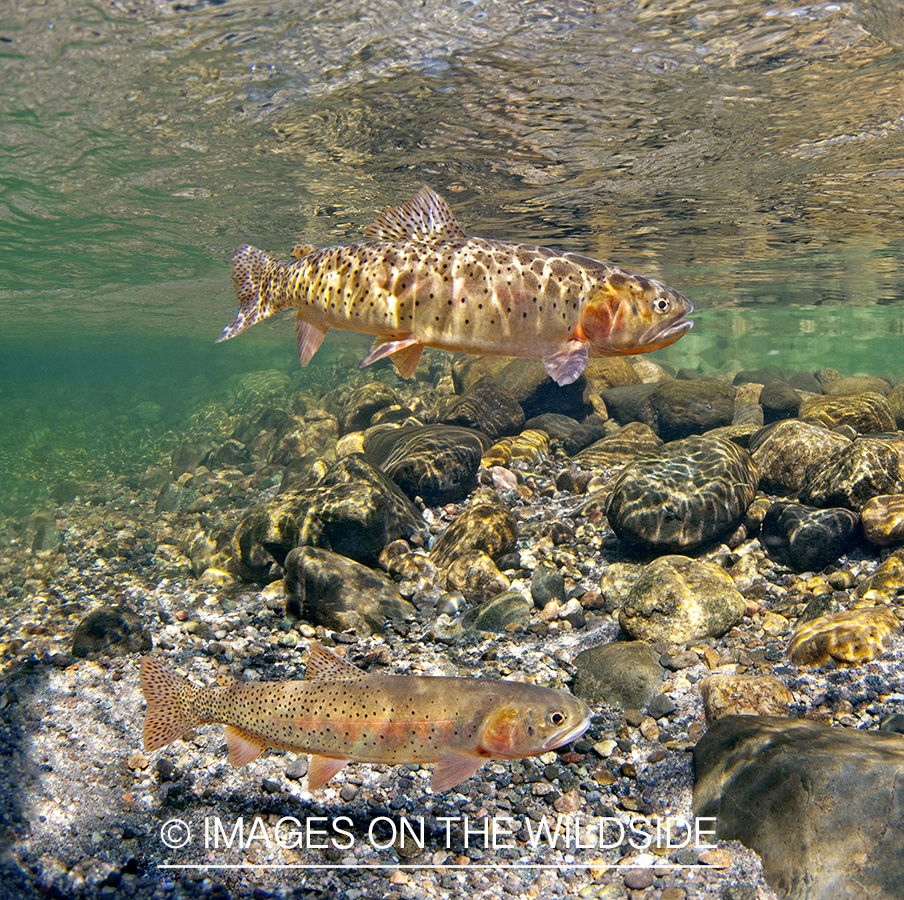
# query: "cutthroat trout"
419,281
341,715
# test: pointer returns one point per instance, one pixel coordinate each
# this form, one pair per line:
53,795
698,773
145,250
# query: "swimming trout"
341,715
419,281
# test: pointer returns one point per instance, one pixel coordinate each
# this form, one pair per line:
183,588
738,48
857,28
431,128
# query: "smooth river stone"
619,447
883,519
626,674
746,695
475,576
676,599
327,589
787,452
822,806
804,538
848,638
437,463
364,403
485,525
678,409
865,469
686,493
867,412
486,406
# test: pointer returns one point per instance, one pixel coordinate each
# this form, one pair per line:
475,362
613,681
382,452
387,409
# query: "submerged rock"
676,600
804,538
823,806
437,463
505,612
677,409
486,406
848,638
111,631
866,413
626,674
685,494
327,589
864,469
485,525
745,695
883,519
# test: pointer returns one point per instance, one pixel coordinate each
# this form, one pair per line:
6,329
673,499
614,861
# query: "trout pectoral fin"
321,769
405,352
453,769
243,747
309,338
566,365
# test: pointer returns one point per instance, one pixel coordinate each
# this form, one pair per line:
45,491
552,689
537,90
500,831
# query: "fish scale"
341,714
421,282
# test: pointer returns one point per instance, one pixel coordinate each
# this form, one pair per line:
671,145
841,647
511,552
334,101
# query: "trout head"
630,314
527,727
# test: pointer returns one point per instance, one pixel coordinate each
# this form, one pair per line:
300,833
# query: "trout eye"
556,717
662,304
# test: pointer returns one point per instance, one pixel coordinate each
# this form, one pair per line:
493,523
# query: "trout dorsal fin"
425,217
322,664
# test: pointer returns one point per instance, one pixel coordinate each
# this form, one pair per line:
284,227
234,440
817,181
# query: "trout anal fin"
243,747
309,338
565,365
405,352
453,769
321,769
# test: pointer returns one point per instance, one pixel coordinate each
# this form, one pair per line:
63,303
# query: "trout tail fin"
171,700
252,274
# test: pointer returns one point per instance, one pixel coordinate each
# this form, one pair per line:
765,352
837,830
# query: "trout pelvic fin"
251,272
170,704
565,365
405,352
454,769
425,217
310,338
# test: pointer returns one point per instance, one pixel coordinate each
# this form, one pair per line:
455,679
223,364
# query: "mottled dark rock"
678,409
787,453
485,525
189,456
858,384
624,403
556,426
592,429
626,674
866,413
327,589
500,614
363,403
353,510
43,531
547,584
175,498
685,494
487,406
435,462
804,381
804,538
228,455
822,806
111,631
864,469
676,600
66,490
759,376
537,393
779,401
619,447
896,404
747,413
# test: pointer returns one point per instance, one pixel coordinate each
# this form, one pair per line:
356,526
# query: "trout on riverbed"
418,281
341,714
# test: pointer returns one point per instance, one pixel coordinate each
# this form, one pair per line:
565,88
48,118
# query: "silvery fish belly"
418,281
340,714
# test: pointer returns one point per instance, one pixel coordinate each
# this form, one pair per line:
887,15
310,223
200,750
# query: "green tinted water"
751,155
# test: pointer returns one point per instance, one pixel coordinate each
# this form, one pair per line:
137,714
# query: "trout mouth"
566,737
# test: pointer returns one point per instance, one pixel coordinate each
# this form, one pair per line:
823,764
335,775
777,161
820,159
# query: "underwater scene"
452,447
